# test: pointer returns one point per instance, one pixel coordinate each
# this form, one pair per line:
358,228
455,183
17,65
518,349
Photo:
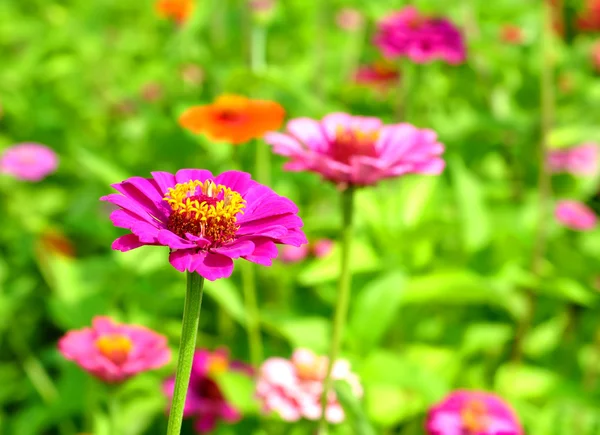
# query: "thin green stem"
113,411
252,315
258,48
343,301
187,346
263,163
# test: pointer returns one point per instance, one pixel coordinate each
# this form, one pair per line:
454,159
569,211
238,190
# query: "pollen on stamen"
204,209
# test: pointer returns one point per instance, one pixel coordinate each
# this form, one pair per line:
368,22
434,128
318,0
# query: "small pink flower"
357,150
579,160
28,161
294,254
204,401
293,388
380,75
322,248
349,19
115,352
575,215
422,39
473,413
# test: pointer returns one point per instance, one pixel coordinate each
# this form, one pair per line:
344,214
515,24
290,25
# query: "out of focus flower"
205,402
293,388
472,413
152,92
575,215
28,161
114,352
349,19
55,242
595,55
319,249
578,160
176,10
422,39
205,220
511,34
588,19
192,75
261,6
233,118
381,75
357,150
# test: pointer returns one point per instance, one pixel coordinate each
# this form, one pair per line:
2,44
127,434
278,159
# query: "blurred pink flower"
152,92
204,401
357,150
595,54
114,352
575,215
294,254
322,248
191,74
578,160
293,388
349,19
381,75
420,38
28,161
473,413
261,5
206,221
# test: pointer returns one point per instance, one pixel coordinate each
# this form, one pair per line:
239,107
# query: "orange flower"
233,118
177,10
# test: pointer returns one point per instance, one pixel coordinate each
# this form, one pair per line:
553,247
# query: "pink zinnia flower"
115,352
206,221
28,161
381,75
579,160
294,254
349,19
322,248
357,150
204,401
293,388
473,413
575,215
420,38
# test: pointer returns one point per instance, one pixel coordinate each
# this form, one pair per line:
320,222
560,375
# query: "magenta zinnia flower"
293,388
28,161
575,215
422,39
357,150
114,352
204,401
206,221
474,413
578,160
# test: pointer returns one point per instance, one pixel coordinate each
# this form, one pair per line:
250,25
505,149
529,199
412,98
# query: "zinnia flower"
234,119
381,75
204,401
357,150
575,215
474,413
349,19
206,221
293,388
578,160
407,33
320,248
28,161
176,10
115,352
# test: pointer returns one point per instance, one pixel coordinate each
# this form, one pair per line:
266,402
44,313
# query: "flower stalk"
252,315
343,300
187,346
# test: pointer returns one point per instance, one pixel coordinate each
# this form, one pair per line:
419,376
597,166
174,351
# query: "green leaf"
545,337
310,332
353,408
486,338
525,381
389,405
225,294
375,309
239,390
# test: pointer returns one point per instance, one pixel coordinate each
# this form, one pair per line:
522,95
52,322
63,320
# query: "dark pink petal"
129,205
264,252
214,266
145,192
284,144
185,175
205,423
164,180
126,243
184,260
238,181
173,241
237,249
309,132
145,232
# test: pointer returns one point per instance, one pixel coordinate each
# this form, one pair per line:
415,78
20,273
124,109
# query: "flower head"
578,160
28,161
575,215
407,33
357,150
293,388
205,220
234,119
349,19
381,75
204,401
176,10
319,249
472,413
115,352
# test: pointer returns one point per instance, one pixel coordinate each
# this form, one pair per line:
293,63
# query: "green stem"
263,163
113,411
252,315
341,310
187,347
258,48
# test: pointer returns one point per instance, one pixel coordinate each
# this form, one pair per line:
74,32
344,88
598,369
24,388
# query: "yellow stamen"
217,364
115,347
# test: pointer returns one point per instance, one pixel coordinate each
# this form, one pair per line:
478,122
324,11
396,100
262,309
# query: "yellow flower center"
115,347
204,209
217,364
474,417
353,142
313,369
